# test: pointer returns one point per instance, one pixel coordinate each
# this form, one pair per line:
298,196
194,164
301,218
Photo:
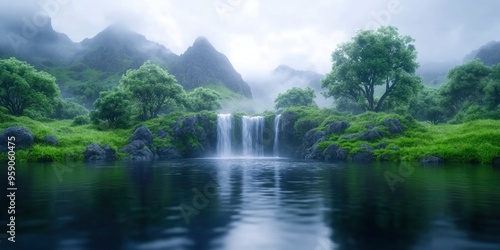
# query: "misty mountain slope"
489,54
203,65
117,49
301,77
40,45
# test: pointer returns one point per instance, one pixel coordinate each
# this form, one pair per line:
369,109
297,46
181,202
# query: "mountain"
299,77
203,65
96,64
489,54
118,49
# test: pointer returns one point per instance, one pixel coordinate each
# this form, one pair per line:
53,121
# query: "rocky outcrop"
371,135
169,153
394,126
141,147
290,139
310,145
335,153
96,152
364,154
431,160
138,151
337,128
52,140
196,135
23,138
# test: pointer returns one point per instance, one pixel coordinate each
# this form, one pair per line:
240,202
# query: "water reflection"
256,204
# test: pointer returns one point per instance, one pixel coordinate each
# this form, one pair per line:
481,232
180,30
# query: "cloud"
259,35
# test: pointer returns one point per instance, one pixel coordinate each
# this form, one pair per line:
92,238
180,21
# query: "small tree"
152,87
203,99
114,107
295,97
381,58
23,87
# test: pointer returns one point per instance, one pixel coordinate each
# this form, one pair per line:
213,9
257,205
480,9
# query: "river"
255,203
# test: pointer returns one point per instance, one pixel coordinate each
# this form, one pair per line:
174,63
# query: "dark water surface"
254,204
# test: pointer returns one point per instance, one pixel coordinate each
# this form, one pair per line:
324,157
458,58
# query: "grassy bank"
474,142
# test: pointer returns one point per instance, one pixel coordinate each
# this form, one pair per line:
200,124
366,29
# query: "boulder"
162,134
138,151
310,144
52,140
363,157
394,126
168,153
96,152
335,153
337,128
370,135
496,162
431,160
143,134
365,154
382,145
23,138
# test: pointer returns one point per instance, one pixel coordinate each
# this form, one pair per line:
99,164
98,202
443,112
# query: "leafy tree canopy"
23,87
295,97
153,88
374,58
114,107
203,99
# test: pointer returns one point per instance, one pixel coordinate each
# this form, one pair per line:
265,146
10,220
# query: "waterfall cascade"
252,134
224,134
276,148
246,137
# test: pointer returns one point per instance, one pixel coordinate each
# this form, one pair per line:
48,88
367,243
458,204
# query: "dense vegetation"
372,79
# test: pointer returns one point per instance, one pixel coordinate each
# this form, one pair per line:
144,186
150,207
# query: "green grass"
474,142
72,139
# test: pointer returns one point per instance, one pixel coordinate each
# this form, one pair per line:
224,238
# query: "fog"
257,36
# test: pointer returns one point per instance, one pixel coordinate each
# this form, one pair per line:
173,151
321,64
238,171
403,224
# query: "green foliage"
23,87
373,58
113,107
81,120
295,97
153,88
427,106
72,139
66,109
203,99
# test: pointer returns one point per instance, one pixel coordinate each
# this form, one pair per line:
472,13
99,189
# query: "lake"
255,203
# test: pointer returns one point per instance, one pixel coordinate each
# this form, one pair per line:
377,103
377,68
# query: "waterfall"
276,148
224,132
252,133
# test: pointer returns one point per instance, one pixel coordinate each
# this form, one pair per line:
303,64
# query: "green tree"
203,99
153,88
382,58
23,87
465,86
427,106
114,107
295,97
66,109
492,89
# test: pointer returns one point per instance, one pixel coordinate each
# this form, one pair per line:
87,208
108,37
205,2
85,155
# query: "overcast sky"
258,35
